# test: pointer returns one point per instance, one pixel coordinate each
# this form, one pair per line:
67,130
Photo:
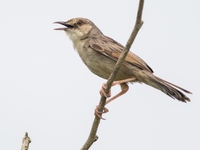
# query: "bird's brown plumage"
100,54
113,49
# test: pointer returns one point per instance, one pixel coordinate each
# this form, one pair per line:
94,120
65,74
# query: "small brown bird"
100,54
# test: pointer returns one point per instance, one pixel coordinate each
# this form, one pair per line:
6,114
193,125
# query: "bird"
100,54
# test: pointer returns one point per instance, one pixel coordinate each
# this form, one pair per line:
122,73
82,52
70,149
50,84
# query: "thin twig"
93,137
25,142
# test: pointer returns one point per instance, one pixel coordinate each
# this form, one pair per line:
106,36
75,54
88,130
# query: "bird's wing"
113,49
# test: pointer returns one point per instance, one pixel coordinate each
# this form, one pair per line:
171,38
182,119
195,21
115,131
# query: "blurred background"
46,90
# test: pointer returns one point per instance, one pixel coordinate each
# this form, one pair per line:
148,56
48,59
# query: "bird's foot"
102,91
98,113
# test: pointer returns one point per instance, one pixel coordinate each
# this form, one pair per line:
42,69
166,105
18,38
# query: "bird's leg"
102,91
123,81
98,113
124,89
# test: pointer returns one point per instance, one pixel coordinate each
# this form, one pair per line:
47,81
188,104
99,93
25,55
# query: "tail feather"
186,91
166,87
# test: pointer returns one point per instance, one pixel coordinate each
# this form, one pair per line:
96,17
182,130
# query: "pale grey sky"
47,91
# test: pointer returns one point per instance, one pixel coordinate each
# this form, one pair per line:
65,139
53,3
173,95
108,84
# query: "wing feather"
113,49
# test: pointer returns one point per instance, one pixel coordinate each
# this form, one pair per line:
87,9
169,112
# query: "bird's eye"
79,23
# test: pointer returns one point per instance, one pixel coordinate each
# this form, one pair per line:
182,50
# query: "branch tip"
25,142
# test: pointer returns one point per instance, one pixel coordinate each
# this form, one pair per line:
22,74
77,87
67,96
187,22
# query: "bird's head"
78,28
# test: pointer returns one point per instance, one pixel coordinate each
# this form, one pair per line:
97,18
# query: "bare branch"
25,142
93,137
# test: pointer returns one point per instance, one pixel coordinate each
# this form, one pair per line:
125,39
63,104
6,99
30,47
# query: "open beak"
64,24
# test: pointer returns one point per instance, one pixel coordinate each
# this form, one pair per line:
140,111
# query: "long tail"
168,88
